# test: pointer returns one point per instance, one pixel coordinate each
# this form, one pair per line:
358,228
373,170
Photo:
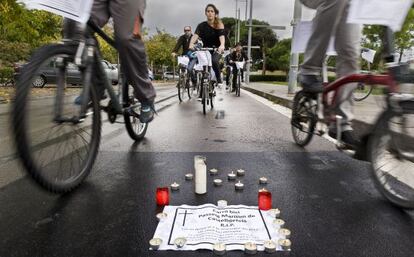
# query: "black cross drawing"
185,216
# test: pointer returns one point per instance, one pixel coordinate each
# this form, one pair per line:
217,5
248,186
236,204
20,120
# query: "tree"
159,48
404,39
279,56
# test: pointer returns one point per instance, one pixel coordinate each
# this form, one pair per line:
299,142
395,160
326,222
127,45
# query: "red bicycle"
389,147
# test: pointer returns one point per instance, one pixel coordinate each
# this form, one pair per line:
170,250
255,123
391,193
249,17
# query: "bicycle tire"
361,97
383,152
211,95
181,87
136,130
238,85
300,100
28,152
203,98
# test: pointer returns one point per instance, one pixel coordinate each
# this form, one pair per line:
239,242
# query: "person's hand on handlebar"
220,49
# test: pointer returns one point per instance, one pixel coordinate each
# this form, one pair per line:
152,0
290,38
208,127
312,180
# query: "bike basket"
204,58
240,65
198,67
183,60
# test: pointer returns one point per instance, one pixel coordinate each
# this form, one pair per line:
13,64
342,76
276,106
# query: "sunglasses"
187,30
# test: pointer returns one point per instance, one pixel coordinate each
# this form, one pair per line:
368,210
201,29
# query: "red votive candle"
162,196
265,200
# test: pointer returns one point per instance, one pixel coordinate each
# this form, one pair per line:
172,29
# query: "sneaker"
311,83
147,112
347,138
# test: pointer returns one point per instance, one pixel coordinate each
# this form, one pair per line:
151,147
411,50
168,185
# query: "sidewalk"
366,111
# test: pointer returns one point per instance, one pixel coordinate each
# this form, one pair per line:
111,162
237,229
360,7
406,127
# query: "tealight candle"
222,203
189,176
218,182
264,200
285,233
269,246
285,244
213,172
279,223
155,243
250,248
275,213
180,242
162,196
175,186
240,172
262,180
161,216
219,248
239,185
231,176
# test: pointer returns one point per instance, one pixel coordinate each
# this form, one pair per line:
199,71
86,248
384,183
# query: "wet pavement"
327,199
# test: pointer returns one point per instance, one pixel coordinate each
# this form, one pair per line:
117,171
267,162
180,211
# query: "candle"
250,248
263,180
222,203
285,244
285,233
269,246
162,196
161,216
279,223
231,176
175,186
275,213
240,172
219,248
189,176
264,200
213,172
200,174
155,243
239,185
180,242
218,182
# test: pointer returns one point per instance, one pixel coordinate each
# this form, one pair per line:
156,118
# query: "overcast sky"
173,15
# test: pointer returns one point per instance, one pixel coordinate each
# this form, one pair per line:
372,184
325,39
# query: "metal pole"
235,24
249,43
294,57
245,11
238,27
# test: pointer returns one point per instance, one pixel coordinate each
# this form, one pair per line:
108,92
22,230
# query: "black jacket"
238,58
183,42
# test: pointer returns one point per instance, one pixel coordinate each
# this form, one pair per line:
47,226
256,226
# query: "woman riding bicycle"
212,33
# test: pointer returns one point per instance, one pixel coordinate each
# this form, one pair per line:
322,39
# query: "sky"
173,15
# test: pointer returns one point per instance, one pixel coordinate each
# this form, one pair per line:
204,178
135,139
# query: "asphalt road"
327,199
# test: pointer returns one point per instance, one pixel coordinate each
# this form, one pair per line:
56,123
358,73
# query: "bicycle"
389,147
183,84
207,82
240,66
58,149
362,90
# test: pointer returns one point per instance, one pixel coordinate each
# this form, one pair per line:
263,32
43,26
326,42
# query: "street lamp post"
249,42
294,57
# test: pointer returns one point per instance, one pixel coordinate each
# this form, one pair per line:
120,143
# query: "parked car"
47,74
168,75
150,75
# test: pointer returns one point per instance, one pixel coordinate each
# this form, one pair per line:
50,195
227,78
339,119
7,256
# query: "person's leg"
242,75
216,66
190,69
228,70
234,76
347,45
127,16
324,24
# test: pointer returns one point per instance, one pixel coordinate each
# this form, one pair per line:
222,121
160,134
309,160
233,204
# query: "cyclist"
228,67
237,56
183,42
331,20
212,34
128,18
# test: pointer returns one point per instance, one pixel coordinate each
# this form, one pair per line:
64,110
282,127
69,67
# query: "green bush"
6,74
277,78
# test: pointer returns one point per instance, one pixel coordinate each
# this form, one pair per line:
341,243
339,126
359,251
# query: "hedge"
6,74
277,78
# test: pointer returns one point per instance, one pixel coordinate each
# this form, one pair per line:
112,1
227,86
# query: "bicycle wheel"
391,152
238,84
204,97
189,87
136,130
181,87
304,118
57,154
211,94
362,92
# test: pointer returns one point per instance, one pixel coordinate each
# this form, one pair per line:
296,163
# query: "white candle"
200,175
219,248
275,213
222,203
285,244
239,185
155,243
218,182
285,233
240,172
175,186
161,216
213,172
231,176
279,223
262,180
180,242
269,246
250,248
189,176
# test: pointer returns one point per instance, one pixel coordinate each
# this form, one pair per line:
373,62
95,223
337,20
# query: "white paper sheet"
78,10
205,225
391,13
301,37
368,55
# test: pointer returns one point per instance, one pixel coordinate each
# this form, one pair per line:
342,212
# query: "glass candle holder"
264,200
162,196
